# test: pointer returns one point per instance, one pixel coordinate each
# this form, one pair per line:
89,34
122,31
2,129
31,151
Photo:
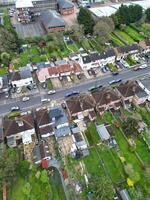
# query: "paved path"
56,164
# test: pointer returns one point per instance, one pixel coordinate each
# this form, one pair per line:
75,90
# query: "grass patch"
112,67
37,188
130,61
133,34
92,135
3,70
125,36
49,84
85,44
116,41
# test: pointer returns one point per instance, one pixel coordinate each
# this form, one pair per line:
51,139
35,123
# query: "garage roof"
24,4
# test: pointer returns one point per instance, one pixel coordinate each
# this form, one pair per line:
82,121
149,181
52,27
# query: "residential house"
78,139
4,84
44,123
60,122
52,21
19,130
59,70
145,85
89,61
107,57
130,91
94,59
80,106
21,78
123,52
41,152
65,7
106,98
145,45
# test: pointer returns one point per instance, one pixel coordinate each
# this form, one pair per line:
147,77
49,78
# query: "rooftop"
17,125
102,131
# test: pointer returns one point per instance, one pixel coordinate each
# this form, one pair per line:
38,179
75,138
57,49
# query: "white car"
143,66
45,100
15,108
51,92
25,99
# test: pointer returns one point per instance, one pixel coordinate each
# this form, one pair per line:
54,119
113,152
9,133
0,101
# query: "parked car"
115,81
79,76
72,93
112,82
15,108
136,68
115,73
44,100
143,66
51,92
25,99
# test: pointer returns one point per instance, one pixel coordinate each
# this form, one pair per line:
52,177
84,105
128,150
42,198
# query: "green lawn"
85,44
112,67
92,135
3,70
133,33
145,28
49,84
116,41
36,188
125,36
73,47
112,163
130,61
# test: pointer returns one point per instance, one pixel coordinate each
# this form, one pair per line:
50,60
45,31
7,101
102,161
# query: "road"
35,101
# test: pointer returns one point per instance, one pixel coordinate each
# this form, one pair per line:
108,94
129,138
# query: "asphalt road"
35,101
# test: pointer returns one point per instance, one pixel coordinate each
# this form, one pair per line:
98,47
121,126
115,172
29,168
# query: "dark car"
72,93
118,80
115,73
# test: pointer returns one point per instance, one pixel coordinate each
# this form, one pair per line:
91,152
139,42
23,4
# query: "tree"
5,58
101,187
103,28
8,165
8,41
85,18
130,126
127,14
133,175
147,12
23,168
78,32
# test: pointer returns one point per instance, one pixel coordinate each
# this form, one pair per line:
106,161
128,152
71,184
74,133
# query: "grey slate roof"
64,4
25,72
62,131
52,19
55,113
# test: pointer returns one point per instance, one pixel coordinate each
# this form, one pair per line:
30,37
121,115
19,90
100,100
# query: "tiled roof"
52,19
42,117
105,96
17,125
129,89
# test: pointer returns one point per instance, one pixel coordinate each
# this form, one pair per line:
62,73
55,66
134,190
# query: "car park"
15,108
25,99
51,92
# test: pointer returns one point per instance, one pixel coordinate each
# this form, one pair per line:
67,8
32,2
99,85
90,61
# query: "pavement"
35,100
